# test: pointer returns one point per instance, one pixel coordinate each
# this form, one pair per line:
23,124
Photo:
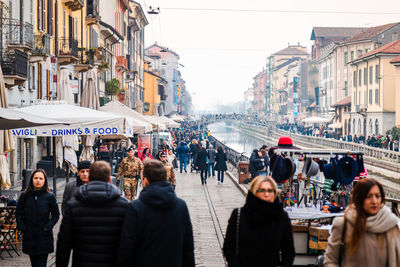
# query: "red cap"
285,141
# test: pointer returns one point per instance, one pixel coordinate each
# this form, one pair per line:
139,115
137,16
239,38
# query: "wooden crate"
320,245
320,234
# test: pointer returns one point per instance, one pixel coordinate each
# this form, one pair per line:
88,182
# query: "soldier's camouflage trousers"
130,186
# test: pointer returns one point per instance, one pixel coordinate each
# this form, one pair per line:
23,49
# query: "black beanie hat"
84,165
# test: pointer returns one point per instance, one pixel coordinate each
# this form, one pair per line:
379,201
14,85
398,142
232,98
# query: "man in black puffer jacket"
92,222
157,230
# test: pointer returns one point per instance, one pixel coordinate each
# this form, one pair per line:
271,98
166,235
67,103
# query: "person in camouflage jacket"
170,169
130,167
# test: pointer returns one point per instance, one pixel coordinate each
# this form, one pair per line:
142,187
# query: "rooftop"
292,50
369,33
343,102
389,48
332,32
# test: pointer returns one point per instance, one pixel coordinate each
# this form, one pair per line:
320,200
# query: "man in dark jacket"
92,222
256,163
72,188
157,230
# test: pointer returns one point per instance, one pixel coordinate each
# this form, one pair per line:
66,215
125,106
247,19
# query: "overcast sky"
222,50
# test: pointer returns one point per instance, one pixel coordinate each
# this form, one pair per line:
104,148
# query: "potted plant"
113,87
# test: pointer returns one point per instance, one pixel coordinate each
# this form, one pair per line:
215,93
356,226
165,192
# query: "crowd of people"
104,228
379,141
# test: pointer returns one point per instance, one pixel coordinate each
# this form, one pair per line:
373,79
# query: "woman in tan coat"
372,232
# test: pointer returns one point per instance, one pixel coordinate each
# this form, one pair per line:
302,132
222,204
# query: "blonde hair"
257,181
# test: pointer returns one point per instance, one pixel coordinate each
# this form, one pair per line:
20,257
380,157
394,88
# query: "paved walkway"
208,253
225,198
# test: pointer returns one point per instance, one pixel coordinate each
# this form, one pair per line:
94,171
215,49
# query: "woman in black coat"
202,164
264,229
37,213
220,164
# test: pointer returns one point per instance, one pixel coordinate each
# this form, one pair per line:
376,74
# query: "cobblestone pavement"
225,198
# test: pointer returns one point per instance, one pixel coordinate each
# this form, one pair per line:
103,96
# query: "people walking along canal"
37,213
130,167
260,232
91,225
157,229
211,162
202,163
183,155
220,164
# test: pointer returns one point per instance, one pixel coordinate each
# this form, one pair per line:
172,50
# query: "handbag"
237,232
342,248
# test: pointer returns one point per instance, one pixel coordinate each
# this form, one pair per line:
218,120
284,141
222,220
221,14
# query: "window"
366,50
50,17
371,70
355,98
359,97
376,96
359,53
345,88
354,79
345,58
377,73
370,97
352,55
365,76
376,127
359,77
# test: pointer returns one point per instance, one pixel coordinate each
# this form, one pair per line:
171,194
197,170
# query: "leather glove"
118,182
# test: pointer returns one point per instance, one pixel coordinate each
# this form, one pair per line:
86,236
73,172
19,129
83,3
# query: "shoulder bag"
342,248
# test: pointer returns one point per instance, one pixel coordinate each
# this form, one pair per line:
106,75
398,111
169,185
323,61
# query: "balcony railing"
42,45
86,57
68,47
15,63
17,34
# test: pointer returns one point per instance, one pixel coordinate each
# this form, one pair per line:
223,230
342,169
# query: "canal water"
234,138
242,142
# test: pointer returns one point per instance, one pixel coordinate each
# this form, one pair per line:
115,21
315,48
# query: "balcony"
17,35
74,5
86,61
41,49
92,12
15,68
67,51
122,64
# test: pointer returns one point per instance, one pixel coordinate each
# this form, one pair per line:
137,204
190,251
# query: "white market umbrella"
167,122
315,119
177,118
6,140
64,91
13,119
335,126
90,99
138,122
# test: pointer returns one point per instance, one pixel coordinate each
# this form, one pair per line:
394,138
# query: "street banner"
144,140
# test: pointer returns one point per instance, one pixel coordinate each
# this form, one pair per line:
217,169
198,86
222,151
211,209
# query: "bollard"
243,170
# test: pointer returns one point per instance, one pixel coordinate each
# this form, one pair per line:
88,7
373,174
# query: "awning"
177,118
82,121
13,119
167,122
315,119
335,126
116,106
